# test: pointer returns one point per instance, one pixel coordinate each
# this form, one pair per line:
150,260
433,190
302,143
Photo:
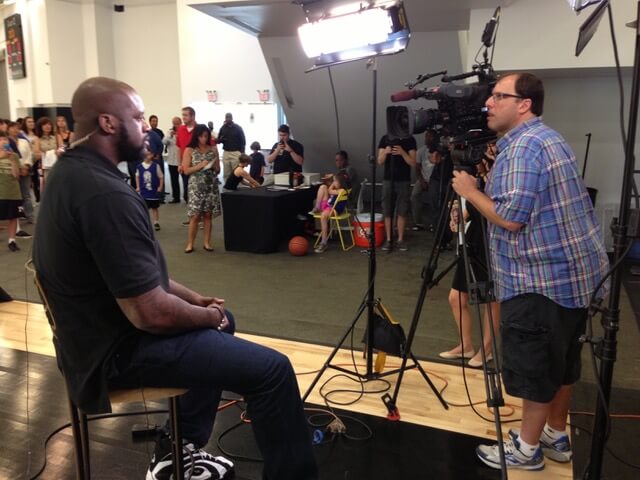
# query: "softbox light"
372,30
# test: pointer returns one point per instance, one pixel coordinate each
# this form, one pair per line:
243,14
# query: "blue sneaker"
514,458
558,450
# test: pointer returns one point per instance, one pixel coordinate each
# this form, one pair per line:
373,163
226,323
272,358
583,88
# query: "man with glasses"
547,256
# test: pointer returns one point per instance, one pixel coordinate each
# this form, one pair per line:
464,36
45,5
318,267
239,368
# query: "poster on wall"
15,46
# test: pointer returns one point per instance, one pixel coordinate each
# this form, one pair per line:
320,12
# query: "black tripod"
371,304
479,292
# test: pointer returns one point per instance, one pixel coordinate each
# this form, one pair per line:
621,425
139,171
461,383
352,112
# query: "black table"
258,220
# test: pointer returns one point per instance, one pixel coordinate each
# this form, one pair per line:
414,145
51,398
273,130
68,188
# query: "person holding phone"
398,155
287,155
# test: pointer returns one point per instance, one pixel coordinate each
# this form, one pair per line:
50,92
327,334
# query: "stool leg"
84,436
176,438
74,414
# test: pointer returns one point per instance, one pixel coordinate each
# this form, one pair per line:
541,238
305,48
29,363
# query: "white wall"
54,53
216,56
36,87
66,49
578,105
97,32
104,39
145,48
542,34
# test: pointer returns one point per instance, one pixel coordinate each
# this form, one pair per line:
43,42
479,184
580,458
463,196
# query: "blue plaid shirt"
559,251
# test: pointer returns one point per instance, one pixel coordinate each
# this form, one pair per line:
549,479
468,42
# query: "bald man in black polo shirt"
122,322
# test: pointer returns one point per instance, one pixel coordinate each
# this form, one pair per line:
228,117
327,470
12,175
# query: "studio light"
579,5
364,31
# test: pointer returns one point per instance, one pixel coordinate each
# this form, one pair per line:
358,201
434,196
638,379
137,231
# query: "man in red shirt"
183,137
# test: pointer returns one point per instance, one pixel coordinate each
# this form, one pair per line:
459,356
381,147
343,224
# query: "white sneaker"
558,450
321,248
513,456
198,464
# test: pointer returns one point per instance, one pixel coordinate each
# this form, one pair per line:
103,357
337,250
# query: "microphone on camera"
489,29
406,95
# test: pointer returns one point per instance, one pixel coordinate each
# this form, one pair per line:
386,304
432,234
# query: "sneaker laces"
192,455
509,447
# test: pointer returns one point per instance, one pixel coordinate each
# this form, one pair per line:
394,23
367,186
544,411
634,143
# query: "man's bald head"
95,96
109,118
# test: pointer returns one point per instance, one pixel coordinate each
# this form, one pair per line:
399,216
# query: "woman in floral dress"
202,163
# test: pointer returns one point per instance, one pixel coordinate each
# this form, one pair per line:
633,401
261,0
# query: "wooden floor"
416,402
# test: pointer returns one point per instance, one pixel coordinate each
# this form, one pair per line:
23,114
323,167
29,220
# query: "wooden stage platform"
416,402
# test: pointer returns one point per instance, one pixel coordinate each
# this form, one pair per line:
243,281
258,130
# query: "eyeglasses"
497,96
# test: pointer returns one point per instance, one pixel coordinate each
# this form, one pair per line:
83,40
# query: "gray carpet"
314,298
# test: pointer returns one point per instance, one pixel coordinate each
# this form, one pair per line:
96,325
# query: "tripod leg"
427,283
327,363
436,392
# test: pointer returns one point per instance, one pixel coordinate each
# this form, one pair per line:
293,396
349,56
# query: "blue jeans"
207,362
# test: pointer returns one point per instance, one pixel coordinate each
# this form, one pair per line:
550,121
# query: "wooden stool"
79,420
79,425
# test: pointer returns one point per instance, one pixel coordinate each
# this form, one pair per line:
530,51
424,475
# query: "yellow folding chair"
335,218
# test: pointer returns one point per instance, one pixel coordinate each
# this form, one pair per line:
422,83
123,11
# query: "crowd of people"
193,165
194,172
29,149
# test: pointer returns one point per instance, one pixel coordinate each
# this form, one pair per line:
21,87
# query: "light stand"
365,32
370,303
607,348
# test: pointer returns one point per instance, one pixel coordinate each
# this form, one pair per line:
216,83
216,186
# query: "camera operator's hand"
463,183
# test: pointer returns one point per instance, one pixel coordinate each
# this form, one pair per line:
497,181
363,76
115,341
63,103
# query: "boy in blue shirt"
150,185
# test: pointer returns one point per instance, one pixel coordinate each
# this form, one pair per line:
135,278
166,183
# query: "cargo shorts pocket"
525,350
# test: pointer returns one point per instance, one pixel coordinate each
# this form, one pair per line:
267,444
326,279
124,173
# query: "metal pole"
611,317
373,64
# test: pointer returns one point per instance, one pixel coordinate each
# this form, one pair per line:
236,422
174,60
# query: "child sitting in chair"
325,201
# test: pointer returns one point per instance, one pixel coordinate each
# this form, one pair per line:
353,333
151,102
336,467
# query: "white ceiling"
278,18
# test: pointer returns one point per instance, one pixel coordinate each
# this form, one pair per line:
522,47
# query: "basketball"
298,246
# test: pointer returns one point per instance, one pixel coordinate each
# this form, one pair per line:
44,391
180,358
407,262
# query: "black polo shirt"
395,168
93,243
284,163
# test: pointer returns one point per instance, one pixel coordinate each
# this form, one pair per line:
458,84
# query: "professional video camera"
460,120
